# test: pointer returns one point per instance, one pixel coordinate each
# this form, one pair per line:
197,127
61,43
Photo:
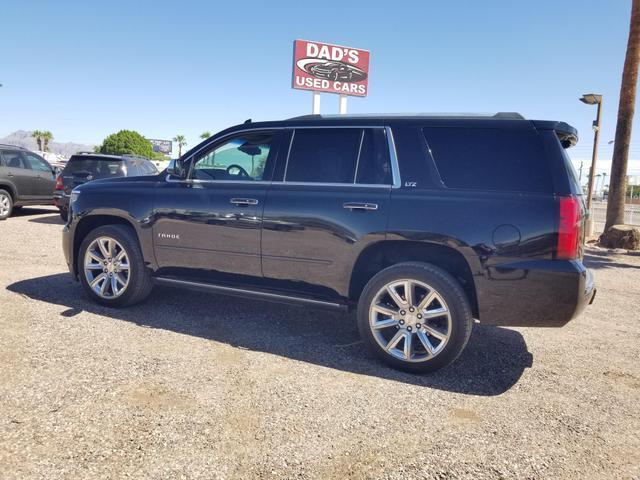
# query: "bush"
127,141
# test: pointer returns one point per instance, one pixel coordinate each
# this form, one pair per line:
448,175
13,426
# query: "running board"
245,292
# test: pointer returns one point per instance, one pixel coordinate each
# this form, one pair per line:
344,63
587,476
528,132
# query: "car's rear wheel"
112,269
64,214
6,205
415,317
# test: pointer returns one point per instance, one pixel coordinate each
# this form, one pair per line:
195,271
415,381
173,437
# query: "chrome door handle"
243,202
360,206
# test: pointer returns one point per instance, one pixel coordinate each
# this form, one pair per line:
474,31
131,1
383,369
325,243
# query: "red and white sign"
330,68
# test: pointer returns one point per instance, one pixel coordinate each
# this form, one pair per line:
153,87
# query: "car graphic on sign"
331,70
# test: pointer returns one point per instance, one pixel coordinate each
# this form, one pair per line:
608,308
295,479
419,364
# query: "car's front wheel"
111,267
415,317
6,205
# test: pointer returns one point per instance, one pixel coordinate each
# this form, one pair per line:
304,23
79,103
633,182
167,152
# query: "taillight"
569,229
59,184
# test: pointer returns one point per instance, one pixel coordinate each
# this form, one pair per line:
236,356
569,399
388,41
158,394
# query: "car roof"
472,120
105,156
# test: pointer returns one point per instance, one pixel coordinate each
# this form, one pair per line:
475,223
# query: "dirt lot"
189,385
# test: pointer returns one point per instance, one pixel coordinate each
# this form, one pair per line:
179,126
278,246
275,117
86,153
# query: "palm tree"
181,141
47,136
626,108
205,135
37,134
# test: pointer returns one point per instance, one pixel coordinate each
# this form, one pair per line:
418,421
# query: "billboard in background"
161,146
322,67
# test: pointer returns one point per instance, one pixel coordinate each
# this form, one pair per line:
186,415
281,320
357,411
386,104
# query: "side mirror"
176,168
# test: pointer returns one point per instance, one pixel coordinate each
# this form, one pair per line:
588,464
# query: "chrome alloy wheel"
410,320
106,267
5,202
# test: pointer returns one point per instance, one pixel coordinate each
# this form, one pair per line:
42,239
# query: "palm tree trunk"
626,107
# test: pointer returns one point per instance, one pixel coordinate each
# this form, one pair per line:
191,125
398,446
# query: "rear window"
98,167
489,159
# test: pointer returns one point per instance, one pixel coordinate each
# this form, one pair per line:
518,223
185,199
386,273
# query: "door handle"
360,206
243,202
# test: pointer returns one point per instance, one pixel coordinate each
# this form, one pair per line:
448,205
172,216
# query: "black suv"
422,223
25,179
86,166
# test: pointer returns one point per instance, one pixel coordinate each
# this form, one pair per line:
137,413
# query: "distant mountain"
22,138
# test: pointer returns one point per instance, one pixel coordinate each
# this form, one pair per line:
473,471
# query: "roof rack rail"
12,146
497,116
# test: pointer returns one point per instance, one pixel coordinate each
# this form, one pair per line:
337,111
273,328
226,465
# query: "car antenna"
248,120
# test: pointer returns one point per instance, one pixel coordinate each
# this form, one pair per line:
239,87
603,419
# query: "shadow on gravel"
597,260
492,363
27,211
49,219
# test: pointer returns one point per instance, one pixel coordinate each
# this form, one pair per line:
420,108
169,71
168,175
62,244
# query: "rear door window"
14,159
498,159
374,165
37,163
323,155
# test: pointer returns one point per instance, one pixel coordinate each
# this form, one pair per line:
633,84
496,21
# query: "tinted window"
133,170
241,158
324,155
97,167
37,163
374,166
489,159
14,159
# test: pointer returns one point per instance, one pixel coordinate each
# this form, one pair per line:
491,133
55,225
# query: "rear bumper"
61,200
539,293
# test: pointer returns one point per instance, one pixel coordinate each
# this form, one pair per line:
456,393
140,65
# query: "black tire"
64,214
6,207
447,287
140,280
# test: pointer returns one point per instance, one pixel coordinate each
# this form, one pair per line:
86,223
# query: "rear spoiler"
567,135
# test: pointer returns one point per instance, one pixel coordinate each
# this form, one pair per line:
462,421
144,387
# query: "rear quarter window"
497,159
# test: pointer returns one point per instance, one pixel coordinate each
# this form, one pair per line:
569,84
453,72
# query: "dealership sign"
330,68
161,146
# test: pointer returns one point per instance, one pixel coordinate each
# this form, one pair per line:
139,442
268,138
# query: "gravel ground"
189,385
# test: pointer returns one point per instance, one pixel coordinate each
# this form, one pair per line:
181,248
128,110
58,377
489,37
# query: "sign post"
322,67
315,108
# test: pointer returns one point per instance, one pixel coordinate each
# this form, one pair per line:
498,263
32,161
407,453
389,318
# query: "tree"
37,134
205,135
47,136
626,108
127,141
181,141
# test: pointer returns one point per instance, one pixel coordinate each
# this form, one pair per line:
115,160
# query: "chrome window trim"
279,182
395,167
328,184
286,164
355,172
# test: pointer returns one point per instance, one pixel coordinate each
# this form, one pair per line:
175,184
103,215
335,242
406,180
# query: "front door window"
241,158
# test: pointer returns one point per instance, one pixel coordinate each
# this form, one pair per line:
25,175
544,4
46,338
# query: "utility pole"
626,109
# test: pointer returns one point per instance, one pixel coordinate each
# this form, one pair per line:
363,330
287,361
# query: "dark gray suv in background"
25,179
87,166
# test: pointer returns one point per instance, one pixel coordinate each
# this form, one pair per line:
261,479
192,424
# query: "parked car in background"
87,166
25,179
420,223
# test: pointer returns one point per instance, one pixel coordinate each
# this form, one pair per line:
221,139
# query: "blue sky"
86,69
